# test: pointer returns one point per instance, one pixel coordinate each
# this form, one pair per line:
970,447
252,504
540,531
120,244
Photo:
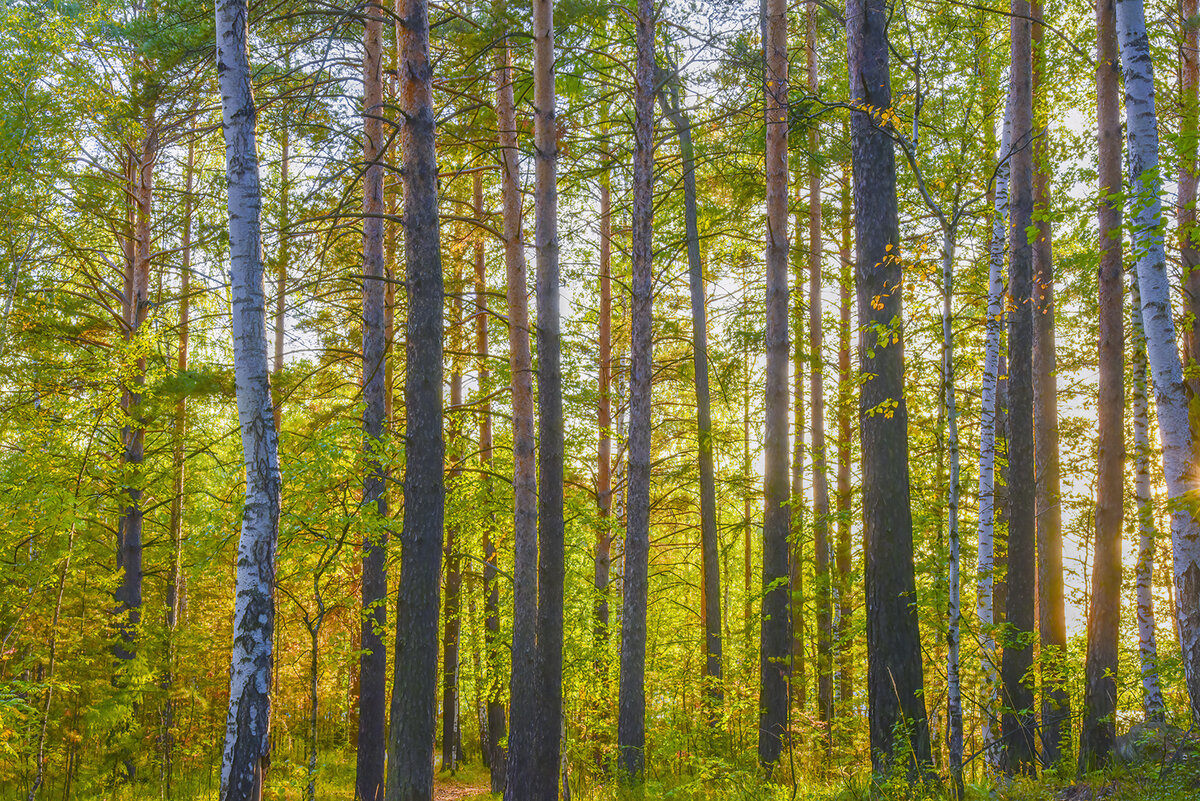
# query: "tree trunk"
895,684
524,678
1052,620
248,724
1159,326
776,634
821,547
709,542
413,708
136,308
496,726
283,262
550,572
799,683
604,489
1104,615
175,587
845,443
452,594
1185,209
1153,705
1020,723
372,681
986,602
631,717
954,718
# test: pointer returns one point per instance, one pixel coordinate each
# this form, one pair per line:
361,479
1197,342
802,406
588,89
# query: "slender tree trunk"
816,339
799,684
1019,723
709,543
604,489
1153,705
845,443
524,678
283,263
414,706
1052,620
1185,209
1104,615
894,679
128,595
496,725
175,587
954,715
550,410
314,697
986,602
452,594
776,649
1159,326
248,724
372,681
747,511
631,719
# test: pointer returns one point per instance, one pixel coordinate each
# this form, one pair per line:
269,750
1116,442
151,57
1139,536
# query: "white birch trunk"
953,638
1152,698
1146,214
987,452
248,723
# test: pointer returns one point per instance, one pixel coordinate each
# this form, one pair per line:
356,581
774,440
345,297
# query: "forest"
651,399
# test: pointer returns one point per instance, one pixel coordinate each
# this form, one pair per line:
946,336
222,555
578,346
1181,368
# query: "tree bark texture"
248,724
631,715
493,645
551,564
986,603
414,706
816,343
1052,618
524,688
895,683
372,665
1152,699
1170,397
776,634
1104,613
1019,723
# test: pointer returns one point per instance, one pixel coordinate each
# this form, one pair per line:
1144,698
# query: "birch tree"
248,722
1145,211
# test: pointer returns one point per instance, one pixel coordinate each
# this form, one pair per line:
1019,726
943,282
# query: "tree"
1019,722
525,670
894,678
631,719
1052,624
669,96
989,424
776,636
1159,326
372,682
248,723
817,393
411,734
1104,615
550,545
